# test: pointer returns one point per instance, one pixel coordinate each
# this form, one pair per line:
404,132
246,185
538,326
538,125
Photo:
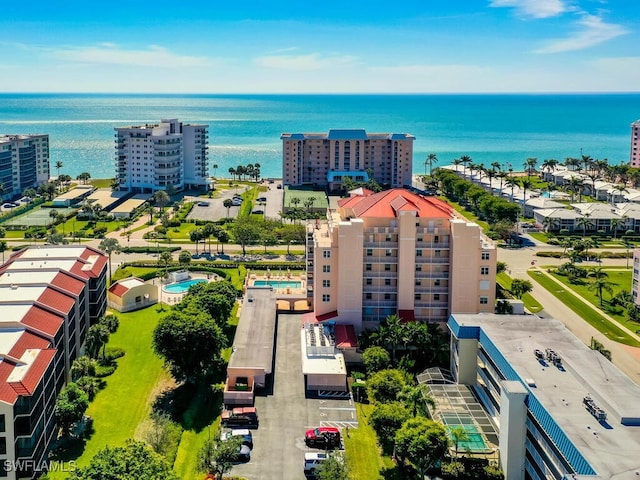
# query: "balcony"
379,288
379,274
427,274
428,260
379,303
373,259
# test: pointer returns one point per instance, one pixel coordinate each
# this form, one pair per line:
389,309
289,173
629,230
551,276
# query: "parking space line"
337,408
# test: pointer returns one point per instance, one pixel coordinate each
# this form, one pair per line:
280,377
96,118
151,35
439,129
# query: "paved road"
519,261
275,198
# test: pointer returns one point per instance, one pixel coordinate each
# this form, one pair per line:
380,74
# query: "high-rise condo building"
325,160
634,159
24,163
157,156
396,252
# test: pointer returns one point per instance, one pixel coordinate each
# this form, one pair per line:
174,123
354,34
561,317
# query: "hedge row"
601,255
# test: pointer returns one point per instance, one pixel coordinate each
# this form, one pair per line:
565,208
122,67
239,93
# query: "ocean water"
246,128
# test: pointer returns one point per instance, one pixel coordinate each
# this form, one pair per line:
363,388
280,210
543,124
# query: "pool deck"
171,298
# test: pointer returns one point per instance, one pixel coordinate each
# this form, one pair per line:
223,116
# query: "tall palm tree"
530,165
232,172
457,162
599,282
465,159
620,189
513,183
391,333
228,203
491,174
525,184
571,163
430,160
58,166
215,169
550,223
576,184
584,222
587,162
109,246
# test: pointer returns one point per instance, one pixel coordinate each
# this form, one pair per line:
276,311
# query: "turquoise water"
181,287
277,283
246,128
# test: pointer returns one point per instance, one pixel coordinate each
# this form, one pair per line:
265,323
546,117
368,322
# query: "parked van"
312,460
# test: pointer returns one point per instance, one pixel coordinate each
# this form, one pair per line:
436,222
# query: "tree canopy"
423,442
385,385
190,344
134,460
71,404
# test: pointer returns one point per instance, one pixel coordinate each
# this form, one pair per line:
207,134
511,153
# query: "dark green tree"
134,460
376,359
385,386
423,442
217,457
71,404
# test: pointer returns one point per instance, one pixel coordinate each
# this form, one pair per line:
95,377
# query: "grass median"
593,318
529,302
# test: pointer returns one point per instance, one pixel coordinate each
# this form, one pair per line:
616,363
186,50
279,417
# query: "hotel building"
563,411
24,163
396,252
324,160
634,159
155,156
48,299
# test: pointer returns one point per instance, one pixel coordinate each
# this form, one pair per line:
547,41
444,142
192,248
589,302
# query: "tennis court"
37,217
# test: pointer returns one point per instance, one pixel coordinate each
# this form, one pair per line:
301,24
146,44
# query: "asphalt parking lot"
286,414
215,210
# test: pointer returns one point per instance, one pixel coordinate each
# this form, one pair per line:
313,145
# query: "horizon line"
589,92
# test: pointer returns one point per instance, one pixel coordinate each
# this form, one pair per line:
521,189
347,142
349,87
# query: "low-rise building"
131,294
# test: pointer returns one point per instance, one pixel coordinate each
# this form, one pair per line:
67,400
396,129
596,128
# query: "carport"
252,355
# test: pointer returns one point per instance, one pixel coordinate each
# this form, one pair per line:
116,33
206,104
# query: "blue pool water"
181,287
277,283
545,195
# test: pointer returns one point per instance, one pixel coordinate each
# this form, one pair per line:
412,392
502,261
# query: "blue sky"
351,46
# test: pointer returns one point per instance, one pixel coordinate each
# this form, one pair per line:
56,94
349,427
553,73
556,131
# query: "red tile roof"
345,336
43,321
118,289
67,283
56,300
389,203
9,391
28,341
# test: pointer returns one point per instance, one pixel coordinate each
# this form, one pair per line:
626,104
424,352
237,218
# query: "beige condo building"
325,160
396,252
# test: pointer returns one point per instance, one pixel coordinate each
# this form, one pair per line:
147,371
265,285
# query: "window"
484,270
326,268
484,284
436,296
387,296
418,253
387,252
387,267
387,281
326,254
368,281
326,297
484,300
367,267
436,282
485,255
436,239
417,296
2,423
418,268
369,252
3,445
326,283
418,282
367,296
436,254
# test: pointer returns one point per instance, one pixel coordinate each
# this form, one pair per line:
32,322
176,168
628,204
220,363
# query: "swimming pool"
182,287
277,283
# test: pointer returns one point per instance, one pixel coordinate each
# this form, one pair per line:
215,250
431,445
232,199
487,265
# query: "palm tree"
525,184
417,397
109,246
295,201
575,185
550,223
430,160
164,260
587,162
620,189
513,183
223,237
161,199
530,165
465,159
391,333
228,203
58,166
502,176
491,174
457,162
195,236
458,435
232,172
599,282
215,169
584,222
614,224
571,163
550,165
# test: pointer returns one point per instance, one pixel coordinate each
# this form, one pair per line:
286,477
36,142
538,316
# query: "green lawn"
610,329
540,236
529,302
621,280
119,408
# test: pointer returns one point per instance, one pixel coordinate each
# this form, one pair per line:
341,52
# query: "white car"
312,460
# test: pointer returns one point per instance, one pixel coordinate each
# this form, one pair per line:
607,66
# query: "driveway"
285,415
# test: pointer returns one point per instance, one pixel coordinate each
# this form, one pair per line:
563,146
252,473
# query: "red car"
322,437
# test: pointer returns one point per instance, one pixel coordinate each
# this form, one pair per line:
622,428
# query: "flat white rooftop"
27,277
612,448
9,338
54,252
21,293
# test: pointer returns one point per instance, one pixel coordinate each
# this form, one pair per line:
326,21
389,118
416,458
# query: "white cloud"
535,8
619,67
110,54
591,31
312,61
